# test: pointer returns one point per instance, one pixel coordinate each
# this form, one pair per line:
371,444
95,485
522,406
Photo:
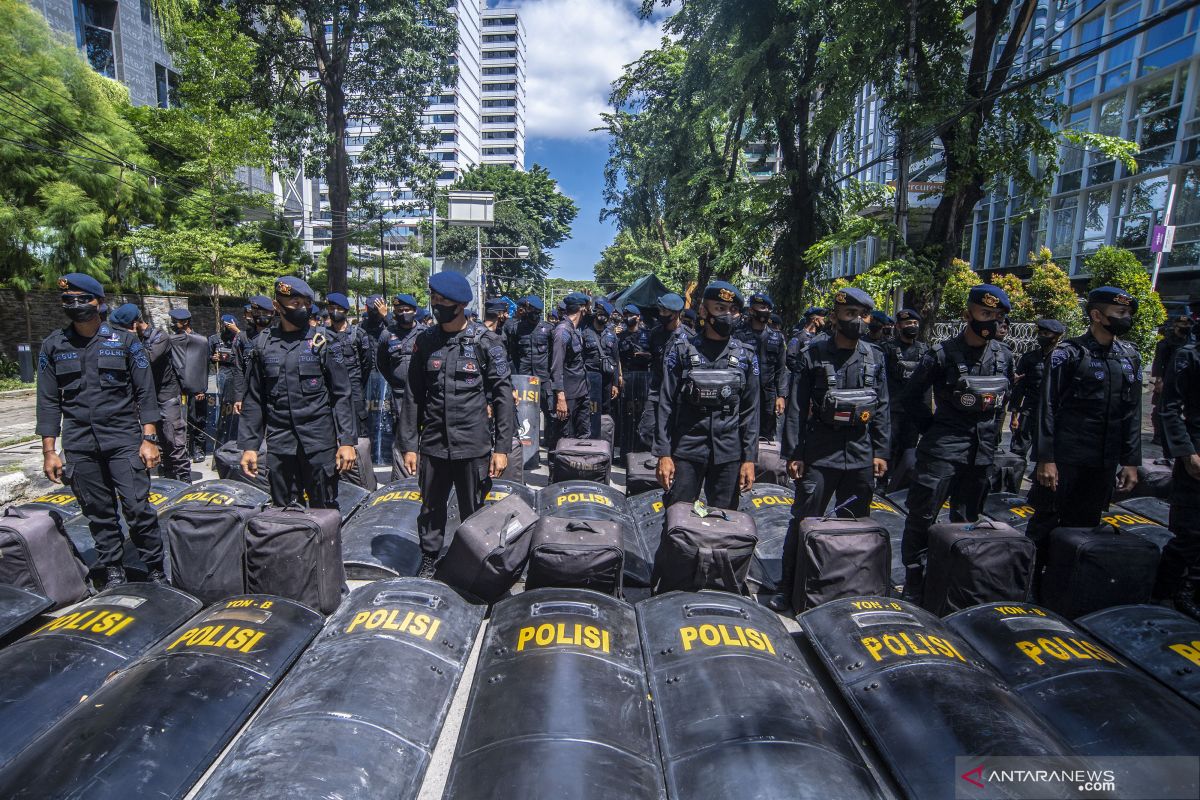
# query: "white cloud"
576,49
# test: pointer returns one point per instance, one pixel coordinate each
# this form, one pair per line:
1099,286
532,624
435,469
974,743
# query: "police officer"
196,405
1179,419
901,357
662,337
970,375
634,346
259,316
532,357
392,357
358,354
298,397
1177,335
171,430
688,319
568,379
881,328
509,328
706,434
837,428
375,319
95,387
220,352
599,370
1089,433
771,349
1027,393
811,326
495,315
458,371
609,345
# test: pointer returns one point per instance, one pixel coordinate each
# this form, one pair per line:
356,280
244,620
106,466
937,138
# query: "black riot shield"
17,607
529,416
920,692
595,387
48,672
633,402
1011,509
379,418
559,706
900,500
771,507
1162,641
153,729
349,498
648,511
364,706
381,540
225,424
739,713
218,493
501,489
599,501
60,501
1155,509
1097,702
162,492
1129,522
889,515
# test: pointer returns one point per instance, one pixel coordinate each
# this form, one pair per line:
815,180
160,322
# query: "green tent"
644,293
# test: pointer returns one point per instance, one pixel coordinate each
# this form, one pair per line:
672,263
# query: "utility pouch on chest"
980,395
848,408
714,388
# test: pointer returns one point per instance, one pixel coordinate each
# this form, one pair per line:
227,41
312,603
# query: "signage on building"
1162,238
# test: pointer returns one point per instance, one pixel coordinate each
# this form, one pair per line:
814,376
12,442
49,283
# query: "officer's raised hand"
345,457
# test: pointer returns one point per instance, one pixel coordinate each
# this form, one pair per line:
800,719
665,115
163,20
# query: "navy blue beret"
180,314
814,311
422,314
496,305
574,301
227,318
881,317
125,315
762,297
263,302
604,307
371,298
405,300
453,286
78,282
1052,325
670,302
907,314
989,296
690,314
338,299
853,296
291,285
631,309
1113,296
724,292
535,302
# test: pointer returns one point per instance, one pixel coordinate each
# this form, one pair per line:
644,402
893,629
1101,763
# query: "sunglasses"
77,299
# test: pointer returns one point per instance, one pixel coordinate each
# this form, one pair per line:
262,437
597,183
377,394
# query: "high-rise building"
503,87
1145,89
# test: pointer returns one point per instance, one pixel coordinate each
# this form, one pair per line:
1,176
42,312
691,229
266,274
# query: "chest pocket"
467,372
311,378
69,375
113,371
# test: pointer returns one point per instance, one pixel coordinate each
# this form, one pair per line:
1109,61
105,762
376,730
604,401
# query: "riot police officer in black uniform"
529,354
1089,435
901,357
260,313
95,388
457,371
970,375
706,434
812,326
196,405
568,378
634,346
220,352
392,357
358,354
599,370
662,337
1179,419
881,328
1027,393
1178,334
771,349
609,345
298,397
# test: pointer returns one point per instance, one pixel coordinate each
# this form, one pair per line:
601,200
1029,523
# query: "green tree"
330,70
1050,290
1022,304
72,174
530,212
215,131
1115,266
958,285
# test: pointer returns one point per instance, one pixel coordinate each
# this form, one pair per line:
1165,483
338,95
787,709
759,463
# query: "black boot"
428,564
779,602
914,585
157,576
1184,599
115,576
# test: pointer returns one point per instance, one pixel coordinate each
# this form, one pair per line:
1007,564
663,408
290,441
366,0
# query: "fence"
1022,336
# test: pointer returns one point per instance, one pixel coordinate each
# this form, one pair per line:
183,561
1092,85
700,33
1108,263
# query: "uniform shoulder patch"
499,359
754,363
1062,353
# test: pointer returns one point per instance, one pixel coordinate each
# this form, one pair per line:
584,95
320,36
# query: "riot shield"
559,706
1011,509
1097,702
193,691
17,607
218,493
892,519
920,692
1156,510
358,718
1130,522
381,540
60,501
739,713
500,489
647,510
900,500
633,402
349,498
225,424
599,501
529,416
379,418
1162,641
48,672
595,387
771,506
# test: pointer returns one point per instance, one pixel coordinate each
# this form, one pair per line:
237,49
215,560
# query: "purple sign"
1157,238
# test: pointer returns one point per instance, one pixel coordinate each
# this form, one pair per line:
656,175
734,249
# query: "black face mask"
179,328
631,322
722,324
1046,342
876,330
853,329
1118,326
262,322
337,316
909,331
82,312
444,314
665,319
226,335
763,316
985,330
1183,331
600,322
405,319
297,316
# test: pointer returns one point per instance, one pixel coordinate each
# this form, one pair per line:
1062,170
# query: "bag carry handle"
580,525
833,514
719,557
709,511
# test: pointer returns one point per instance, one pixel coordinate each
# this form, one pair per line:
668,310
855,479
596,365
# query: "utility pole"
382,258
433,254
903,158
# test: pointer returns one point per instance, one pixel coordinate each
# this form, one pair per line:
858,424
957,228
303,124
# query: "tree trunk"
337,177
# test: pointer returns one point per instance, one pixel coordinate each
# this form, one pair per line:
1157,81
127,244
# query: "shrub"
958,285
1050,291
1114,266
1022,306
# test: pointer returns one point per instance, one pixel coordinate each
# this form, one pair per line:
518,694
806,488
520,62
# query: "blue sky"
576,49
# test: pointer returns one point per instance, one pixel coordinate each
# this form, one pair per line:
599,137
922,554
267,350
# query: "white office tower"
503,57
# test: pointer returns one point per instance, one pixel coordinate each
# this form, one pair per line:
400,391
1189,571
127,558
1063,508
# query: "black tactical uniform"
99,392
220,352
172,428
709,435
298,395
771,349
661,340
1090,422
634,349
597,373
958,441
392,358
358,353
901,359
1178,335
1179,419
567,375
1026,398
452,380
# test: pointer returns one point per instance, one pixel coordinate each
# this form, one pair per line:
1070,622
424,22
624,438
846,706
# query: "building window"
447,137
509,103
500,87
96,24
166,82
499,38
499,134
499,151
145,9
490,54
499,71
499,119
